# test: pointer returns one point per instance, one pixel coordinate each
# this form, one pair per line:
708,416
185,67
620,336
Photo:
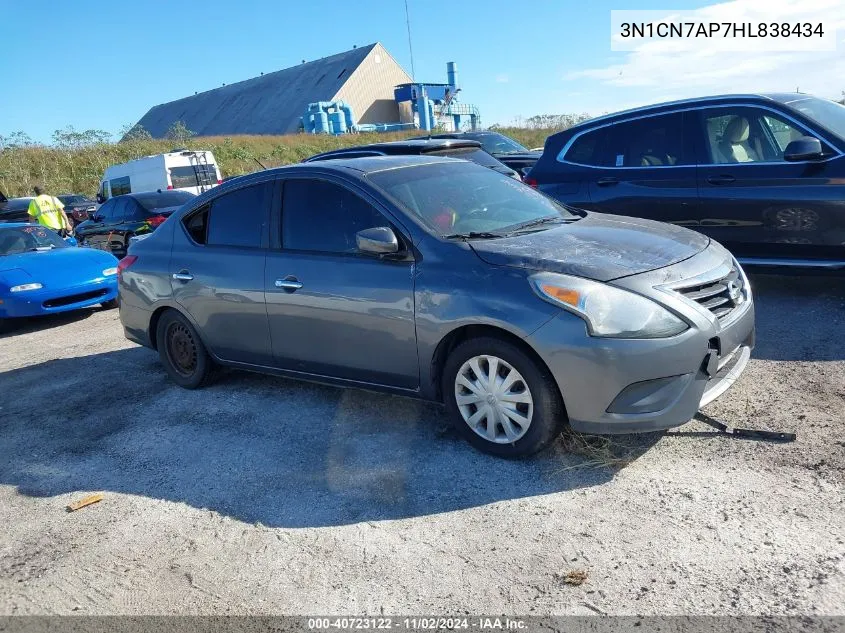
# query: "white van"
182,169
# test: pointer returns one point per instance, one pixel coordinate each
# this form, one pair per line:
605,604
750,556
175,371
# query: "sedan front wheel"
500,399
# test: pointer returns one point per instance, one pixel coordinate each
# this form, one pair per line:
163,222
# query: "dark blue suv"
762,174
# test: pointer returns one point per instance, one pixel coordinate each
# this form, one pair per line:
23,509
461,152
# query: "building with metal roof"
273,103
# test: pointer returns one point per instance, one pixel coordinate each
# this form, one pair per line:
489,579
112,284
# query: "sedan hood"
597,246
59,267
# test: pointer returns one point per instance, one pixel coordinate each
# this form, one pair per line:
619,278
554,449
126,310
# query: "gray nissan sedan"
441,279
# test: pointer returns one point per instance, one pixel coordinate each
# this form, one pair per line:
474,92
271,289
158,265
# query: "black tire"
182,352
111,304
548,417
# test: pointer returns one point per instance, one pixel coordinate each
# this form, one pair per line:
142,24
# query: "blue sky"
97,64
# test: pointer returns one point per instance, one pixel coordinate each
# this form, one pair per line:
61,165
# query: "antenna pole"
410,48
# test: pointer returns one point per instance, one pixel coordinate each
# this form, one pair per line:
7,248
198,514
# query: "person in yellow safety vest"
50,212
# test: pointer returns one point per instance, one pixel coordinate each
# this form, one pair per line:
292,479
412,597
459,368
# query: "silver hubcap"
494,399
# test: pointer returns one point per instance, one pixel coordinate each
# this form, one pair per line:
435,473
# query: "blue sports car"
41,274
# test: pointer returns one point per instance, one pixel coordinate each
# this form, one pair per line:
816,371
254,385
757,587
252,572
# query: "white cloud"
661,69
502,79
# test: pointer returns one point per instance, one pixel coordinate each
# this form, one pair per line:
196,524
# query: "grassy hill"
78,170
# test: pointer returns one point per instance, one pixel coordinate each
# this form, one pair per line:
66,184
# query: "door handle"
183,276
606,182
289,284
721,180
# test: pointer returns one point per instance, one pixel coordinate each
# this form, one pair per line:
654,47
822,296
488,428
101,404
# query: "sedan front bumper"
635,385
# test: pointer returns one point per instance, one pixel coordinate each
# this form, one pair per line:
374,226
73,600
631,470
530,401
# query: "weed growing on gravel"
599,451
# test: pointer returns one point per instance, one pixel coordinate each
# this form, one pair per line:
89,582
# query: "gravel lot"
263,495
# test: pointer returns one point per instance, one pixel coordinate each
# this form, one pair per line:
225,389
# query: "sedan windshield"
463,199
828,114
23,239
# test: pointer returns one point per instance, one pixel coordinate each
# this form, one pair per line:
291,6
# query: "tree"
70,138
178,132
135,132
16,139
842,100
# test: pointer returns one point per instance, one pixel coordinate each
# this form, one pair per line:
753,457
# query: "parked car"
463,149
41,274
119,219
14,209
78,208
502,147
519,314
762,174
183,170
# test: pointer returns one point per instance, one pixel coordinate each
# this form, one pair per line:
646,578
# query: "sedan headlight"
109,271
609,311
25,287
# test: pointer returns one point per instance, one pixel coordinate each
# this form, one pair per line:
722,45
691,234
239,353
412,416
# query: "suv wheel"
500,399
182,352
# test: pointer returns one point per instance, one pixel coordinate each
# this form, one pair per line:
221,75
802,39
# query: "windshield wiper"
473,235
41,248
552,219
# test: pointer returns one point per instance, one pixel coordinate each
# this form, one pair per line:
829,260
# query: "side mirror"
804,148
100,198
380,240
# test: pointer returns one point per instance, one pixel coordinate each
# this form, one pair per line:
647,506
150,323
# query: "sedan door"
333,310
94,232
649,171
217,272
756,203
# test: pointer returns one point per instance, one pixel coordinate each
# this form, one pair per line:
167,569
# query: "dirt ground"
264,495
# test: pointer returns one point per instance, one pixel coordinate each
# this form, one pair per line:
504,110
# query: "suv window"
322,216
236,218
588,149
748,135
656,141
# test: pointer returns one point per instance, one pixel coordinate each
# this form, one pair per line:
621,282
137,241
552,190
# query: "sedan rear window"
153,201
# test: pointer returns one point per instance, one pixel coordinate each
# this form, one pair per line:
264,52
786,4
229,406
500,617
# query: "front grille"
721,296
70,299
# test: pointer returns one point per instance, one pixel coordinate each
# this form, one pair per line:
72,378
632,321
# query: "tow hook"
710,364
751,434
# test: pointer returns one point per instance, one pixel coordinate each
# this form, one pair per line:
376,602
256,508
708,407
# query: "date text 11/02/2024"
418,623
649,30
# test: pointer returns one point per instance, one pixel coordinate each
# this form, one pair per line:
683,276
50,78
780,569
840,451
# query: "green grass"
64,170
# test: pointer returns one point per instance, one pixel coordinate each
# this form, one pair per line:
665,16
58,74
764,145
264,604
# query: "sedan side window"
120,210
106,212
322,216
197,225
237,218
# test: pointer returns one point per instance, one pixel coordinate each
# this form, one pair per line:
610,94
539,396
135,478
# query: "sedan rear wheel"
182,351
502,400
